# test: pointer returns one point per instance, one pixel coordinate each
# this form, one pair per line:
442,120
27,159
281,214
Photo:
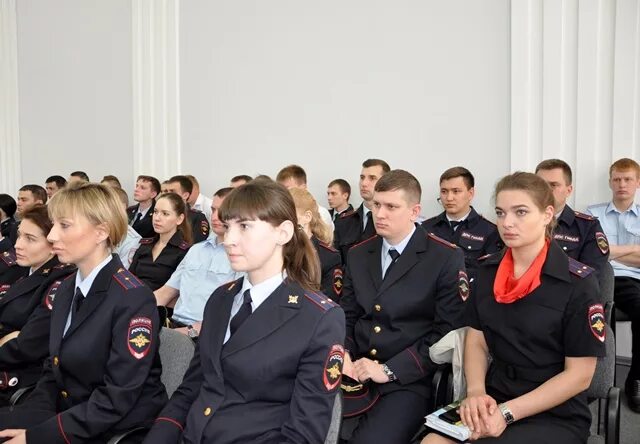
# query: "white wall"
74,65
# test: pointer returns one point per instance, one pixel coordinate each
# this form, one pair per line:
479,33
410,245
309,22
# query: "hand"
182,330
347,367
18,436
495,424
475,412
366,369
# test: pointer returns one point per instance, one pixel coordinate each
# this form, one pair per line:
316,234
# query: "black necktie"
137,219
78,299
454,224
242,314
369,229
394,258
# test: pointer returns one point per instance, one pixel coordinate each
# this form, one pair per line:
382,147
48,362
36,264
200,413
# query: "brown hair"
304,201
536,187
98,203
180,207
39,215
122,196
625,164
552,164
401,180
271,202
459,171
155,183
111,179
343,185
37,191
295,172
377,162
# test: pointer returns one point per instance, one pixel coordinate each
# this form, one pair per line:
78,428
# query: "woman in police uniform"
25,307
103,372
321,237
268,361
158,257
536,312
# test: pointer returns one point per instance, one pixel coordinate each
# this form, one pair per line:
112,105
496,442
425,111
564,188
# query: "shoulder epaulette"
320,301
126,279
363,242
63,266
184,245
230,285
584,216
487,220
348,214
442,241
327,247
431,219
481,258
9,258
146,240
579,269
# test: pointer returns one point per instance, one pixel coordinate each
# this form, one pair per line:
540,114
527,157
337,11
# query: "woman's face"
520,221
165,218
75,239
32,247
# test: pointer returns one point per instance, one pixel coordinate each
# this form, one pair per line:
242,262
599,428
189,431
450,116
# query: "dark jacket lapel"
407,260
374,261
218,322
30,283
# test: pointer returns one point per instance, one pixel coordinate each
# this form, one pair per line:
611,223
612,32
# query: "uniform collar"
612,208
84,284
261,291
555,265
386,246
567,215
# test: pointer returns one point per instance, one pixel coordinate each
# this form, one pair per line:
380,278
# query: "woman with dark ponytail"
268,361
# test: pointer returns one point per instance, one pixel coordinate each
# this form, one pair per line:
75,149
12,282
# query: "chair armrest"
118,438
20,394
612,419
441,386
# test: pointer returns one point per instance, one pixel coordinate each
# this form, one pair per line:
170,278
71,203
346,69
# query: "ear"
285,232
180,219
472,191
415,212
548,214
570,188
102,233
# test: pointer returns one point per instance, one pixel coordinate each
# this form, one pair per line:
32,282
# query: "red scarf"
506,288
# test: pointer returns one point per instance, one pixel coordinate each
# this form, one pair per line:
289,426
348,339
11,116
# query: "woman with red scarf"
537,314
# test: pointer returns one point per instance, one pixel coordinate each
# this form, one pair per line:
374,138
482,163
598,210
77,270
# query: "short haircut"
59,180
377,162
401,180
113,179
8,205
240,177
39,215
155,183
81,174
193,179
122,195
223,192
552,164
625,164
98,203
262,177
295,172
38,192
343,185
459,171
185,184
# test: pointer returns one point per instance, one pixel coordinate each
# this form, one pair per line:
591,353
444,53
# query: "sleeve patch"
597,322
4,289
337,281
332,373
204,227
51,295
139,337
463,285
603,243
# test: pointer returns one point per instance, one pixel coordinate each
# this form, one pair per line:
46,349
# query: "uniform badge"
204,227
603,243
463,285
293,299
139,337
4,289
51,295
597,322
337,281
332,374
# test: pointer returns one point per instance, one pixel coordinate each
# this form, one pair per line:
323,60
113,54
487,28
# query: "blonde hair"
100,204
305,202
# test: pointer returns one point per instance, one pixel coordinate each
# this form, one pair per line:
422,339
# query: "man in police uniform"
459,223
403,290
355,226
141,215
578,234
183,187
338,194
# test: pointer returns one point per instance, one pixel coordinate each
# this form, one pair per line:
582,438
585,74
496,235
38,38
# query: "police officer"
355,226
338,194
579,235
182,186
10,270
404,290
102,376
25,306
536,312
321,236
263,328
8,224
158,257
459,223
140,215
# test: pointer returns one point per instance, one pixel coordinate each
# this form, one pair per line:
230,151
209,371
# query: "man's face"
455,197
292,183
143,191
174,187
336,198
216,224
369,176
558,183
26,200
52,188
624,184
393,215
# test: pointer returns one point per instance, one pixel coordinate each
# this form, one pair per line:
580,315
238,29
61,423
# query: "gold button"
55,360
377,329
64,394
377,307
207,411
373,352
